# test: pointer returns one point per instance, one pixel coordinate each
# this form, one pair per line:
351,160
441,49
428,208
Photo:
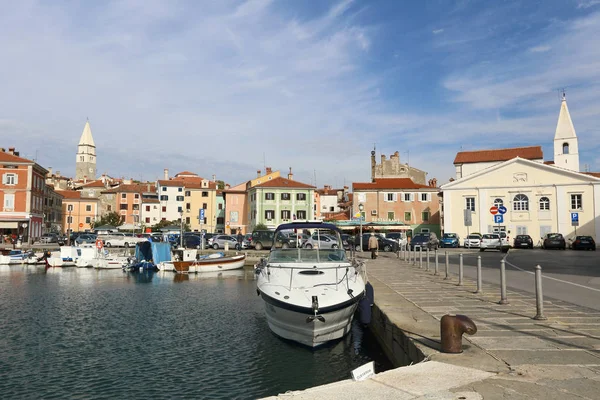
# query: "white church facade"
539,197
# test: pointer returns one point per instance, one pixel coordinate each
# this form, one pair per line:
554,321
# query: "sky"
229,87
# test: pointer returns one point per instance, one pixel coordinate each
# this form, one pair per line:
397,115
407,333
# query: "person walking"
373,245
240,239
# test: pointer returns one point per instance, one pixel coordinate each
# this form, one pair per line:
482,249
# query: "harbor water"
106,334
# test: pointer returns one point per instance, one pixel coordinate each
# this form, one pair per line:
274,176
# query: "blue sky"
229,87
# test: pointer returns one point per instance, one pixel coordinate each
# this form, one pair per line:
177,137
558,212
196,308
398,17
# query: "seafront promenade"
511,356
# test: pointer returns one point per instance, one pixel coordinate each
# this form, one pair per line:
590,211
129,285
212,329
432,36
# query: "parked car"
400,237
192,241
246,244
219,241
554,241
384,243
450,240
292,240
427,240
262,239
346,241
321,241
583,242
523,241
493,241
47,238
118,239
473,240
85,238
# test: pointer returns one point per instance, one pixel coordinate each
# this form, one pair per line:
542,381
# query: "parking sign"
498,218
574,219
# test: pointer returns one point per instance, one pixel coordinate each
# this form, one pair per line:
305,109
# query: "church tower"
85,164
566,149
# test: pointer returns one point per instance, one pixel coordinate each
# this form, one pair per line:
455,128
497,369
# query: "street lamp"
361,208
181,232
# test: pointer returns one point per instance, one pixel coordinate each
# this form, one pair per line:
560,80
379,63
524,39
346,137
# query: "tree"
112,218
157,227
220,184
260,227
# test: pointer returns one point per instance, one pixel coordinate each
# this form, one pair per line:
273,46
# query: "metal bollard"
414,255
447,267
479,289
437,264
539,296
427,269
460,269
420,257
503,299
452,328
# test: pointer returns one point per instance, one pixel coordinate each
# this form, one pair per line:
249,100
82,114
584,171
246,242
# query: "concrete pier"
511,356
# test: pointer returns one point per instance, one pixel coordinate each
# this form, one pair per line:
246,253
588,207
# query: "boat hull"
209,265
298,323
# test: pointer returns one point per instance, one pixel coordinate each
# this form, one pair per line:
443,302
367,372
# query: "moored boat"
148,255
210,264
310,293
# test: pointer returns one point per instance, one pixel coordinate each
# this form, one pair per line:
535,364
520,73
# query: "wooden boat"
210,264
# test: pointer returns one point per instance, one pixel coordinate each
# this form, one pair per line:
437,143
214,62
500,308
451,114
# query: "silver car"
218,242
472,241
321,242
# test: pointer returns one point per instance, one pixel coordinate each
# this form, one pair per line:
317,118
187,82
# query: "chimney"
434,182
58,173
258,173
268,170
382,158
396,154
166,175
11,150
290,175
49,171
3,149
148,186
227,186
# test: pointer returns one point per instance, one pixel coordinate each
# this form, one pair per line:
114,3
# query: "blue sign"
201,217
358,219
574,217
502,210
498,218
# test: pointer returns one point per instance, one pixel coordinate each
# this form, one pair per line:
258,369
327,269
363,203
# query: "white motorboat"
12,257
65,257
310,294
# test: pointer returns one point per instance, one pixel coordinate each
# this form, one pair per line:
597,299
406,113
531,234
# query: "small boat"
11,257
210,264
310,294
66,257
185,255
148,255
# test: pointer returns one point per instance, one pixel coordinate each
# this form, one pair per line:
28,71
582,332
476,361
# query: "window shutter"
4,179
16,179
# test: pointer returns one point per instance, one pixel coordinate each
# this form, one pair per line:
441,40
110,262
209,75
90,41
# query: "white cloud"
540,49
437,31
588,3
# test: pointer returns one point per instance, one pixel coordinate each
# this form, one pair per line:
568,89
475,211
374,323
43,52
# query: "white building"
539,197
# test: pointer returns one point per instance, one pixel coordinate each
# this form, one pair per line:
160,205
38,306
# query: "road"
572,276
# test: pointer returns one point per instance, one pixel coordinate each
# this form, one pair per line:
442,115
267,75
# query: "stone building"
393,168
85,162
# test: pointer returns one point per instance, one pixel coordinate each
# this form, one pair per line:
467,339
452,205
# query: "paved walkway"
511,355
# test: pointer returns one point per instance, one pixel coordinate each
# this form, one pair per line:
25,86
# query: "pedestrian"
373,245
240,238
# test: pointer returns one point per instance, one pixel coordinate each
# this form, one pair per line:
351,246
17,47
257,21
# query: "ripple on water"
82,333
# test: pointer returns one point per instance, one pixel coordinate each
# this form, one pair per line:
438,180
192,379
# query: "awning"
9,225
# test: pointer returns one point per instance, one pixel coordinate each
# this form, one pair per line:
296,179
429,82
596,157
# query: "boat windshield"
307,245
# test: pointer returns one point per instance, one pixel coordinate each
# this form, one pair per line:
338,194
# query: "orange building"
21,195
127,200
78,212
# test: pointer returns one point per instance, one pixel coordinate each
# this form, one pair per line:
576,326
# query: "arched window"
565,148
521,203
544,203
498,202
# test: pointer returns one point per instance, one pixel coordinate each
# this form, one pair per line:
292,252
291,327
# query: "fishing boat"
148,255
310,293
210,264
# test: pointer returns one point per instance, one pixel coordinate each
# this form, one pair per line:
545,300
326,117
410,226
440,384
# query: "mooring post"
437,263
460,269
503,299
447,267
539,296
479,290
427,269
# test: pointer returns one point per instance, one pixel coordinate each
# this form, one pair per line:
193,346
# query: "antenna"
264,162
407,157
315,172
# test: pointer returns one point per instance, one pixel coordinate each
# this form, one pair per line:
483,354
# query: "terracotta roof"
186,173
70,194
329,192
336,216
530,153
594,174
6,157
280,182
389,183
132,188
188,182
96,183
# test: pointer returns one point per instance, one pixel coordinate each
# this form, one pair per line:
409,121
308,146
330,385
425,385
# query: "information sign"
574,219
502,210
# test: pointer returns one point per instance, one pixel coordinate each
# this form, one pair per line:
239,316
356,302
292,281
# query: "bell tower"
566,148
85,163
